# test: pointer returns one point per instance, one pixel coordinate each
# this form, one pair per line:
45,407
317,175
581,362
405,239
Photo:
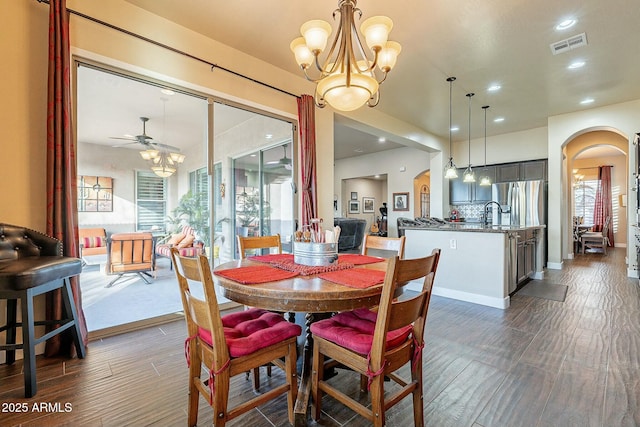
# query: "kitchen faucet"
486,216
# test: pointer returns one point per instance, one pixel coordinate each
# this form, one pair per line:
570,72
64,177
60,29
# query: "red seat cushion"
251,330
354,330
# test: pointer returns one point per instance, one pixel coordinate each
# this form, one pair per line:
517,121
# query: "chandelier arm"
375,98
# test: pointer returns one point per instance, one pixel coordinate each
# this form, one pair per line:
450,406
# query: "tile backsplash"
470,212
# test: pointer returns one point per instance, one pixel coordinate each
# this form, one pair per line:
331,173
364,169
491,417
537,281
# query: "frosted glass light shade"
302,53
388,56
485,181
468,175
376,31
334,90
450,171
163,171
177,157
149,154
316,33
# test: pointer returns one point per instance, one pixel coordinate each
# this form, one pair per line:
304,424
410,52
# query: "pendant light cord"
485,107
450,80
470,95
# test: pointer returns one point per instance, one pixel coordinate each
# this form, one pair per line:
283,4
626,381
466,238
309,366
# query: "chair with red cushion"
378,343
230,345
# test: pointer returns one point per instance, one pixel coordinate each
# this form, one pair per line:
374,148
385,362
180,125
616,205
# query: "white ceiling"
479,42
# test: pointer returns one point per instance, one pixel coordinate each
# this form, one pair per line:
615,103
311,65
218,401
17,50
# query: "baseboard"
554,265
502,303
633,273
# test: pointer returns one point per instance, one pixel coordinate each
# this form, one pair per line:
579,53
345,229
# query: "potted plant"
192,210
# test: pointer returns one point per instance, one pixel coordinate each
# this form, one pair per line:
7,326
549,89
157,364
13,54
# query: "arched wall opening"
583,153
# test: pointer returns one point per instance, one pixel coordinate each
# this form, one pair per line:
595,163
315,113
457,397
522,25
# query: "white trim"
632,272
554,265
502,303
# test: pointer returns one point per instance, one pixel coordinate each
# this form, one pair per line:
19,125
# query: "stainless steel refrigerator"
523,203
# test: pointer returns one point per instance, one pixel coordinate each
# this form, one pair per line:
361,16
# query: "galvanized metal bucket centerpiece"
315,254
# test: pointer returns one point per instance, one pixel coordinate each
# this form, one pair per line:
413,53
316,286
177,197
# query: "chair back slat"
405,312
390,244
259,242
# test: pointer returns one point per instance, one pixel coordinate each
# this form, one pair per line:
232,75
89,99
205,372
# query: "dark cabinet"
482,194
461,192
533,170
526,258
508,172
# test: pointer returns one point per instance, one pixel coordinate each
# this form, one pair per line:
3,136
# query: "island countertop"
472,227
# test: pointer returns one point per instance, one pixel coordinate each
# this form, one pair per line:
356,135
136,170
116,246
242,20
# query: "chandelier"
163,163
348,77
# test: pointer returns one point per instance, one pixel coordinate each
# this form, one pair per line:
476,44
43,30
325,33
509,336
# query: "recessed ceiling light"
586,101
252,155
455,129
576,64
567,23
382,139
268,136
359,150
376,176
167,91
498,119
494,87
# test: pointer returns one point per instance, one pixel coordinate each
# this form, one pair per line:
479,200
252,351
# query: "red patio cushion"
251,330
354,330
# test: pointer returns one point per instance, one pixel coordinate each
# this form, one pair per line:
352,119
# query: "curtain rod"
173,49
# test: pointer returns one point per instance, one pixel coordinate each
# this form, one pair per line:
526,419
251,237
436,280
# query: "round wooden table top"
300,293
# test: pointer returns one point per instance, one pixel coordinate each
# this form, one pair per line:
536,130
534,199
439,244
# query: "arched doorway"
584,154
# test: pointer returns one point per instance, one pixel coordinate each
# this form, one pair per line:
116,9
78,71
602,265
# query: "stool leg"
28,350
11,329
70,311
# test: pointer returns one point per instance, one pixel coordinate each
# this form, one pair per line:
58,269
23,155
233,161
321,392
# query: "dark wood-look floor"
539,363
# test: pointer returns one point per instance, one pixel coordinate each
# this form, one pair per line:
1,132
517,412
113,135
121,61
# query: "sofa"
184,241
351,234
93,241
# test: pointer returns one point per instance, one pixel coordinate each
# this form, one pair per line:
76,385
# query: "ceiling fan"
284,162
145,139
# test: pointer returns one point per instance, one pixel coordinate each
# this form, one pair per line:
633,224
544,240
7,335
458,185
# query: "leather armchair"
351,234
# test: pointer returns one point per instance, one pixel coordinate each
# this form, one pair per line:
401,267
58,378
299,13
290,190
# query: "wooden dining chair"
597,239
258,242
377,343
230,345
389,244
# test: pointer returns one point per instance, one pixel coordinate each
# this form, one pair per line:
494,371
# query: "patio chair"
230,345
131,253
377,343
93,241
183,241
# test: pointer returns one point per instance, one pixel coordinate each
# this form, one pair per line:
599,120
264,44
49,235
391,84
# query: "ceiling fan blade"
126,139
165,146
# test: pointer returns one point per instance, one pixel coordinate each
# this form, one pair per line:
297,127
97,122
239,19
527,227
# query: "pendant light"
450,168
485,180
468,175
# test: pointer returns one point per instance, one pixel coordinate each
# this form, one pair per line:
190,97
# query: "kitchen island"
482,264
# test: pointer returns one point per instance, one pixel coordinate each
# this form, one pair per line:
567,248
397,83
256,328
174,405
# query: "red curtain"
62,212
603,206
307,129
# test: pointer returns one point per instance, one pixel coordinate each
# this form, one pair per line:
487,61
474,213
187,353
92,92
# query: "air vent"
569,44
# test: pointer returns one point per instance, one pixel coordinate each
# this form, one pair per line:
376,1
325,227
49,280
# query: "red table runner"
357,259
256,274
355,278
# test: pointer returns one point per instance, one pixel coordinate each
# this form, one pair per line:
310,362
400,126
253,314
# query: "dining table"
275,282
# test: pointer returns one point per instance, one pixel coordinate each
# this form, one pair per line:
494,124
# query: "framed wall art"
354,195
95,193
400,201
354,206
368,205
